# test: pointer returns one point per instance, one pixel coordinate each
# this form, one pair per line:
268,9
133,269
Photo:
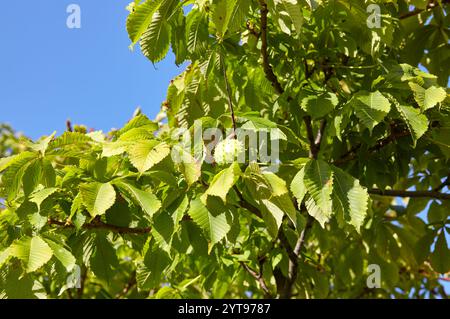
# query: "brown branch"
229,95
245,204
410,194
82,283
313,151
443,184
430,5
351,154
294,255
268,70
259,278
69,126
319,137
96,224
131,283
294,258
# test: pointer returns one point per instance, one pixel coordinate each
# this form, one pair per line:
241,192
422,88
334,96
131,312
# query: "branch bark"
131,283
96,224
268,70
411,194
351,154
259,278
294,255
430,5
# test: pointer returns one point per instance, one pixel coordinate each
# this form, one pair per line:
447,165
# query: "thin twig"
245,204
430,5
69,126
313,151
445,183
259,278
315,143
293,262
101,225
82,283
268,70
410,194
351,154
131,283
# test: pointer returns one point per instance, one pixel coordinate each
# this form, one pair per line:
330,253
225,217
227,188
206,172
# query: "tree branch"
245,204
430,5
258,277
69,126
293,263
313,151
443,184
351,154
294,255
96,224
82,283
131,283
268,70
411,194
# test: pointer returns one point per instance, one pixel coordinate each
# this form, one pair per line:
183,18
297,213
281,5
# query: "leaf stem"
229,94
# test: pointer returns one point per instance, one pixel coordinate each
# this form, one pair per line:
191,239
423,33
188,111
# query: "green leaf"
145,154
66,141
155,41
33,251
222,183
150,273
20,286
238,14
214,224
228,15
293,9
417,123
316,212
62,254
318,180
4,256
146,200
162,230
187,165
277,184
16,168
273,217
32,176
40,196
42,145
139,122
197,32
104,259
97,197
370,108
440,257
350,199
318,105
427,98
298,187
139,20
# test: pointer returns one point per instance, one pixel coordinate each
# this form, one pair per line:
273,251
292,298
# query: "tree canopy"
353,96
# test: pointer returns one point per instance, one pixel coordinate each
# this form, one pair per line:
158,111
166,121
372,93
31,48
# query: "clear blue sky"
50,73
